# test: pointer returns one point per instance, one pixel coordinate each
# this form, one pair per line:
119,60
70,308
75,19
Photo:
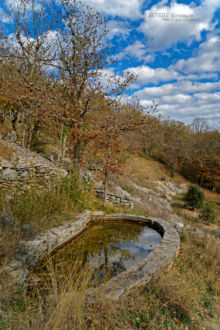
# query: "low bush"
6,220
208,213
194,197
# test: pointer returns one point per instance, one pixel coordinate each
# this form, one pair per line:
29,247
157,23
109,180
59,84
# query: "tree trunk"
63,141
23,137
76,154
29,137
105,188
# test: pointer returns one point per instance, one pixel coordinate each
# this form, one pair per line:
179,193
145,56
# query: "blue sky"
176,56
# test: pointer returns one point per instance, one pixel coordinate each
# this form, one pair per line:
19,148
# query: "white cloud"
163,34
117,28
16,4
204,97
185,100
178,98
109,80
123,8
207,59
4,18
198,76
178,88
137,50
148,75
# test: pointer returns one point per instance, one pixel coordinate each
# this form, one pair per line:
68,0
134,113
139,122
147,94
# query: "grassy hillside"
60,105
184,297
144,168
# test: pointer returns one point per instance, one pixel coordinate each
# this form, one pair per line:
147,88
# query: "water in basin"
105,249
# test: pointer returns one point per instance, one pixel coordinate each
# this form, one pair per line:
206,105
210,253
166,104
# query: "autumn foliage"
52,87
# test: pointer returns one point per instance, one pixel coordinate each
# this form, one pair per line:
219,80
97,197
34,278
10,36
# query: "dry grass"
5,126
142,169
43,206
211,195
194,277
186,296
6,152
192,217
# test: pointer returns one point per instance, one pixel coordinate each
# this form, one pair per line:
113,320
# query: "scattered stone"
12,136
178,226
9,174
196,231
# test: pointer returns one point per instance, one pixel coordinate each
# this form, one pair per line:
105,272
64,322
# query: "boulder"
9,174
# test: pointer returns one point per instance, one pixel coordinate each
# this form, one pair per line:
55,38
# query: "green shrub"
6,220
208,213
194,197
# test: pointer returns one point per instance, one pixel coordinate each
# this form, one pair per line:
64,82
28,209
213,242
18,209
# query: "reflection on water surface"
105,249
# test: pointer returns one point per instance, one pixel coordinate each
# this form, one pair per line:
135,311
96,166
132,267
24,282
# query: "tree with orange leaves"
110,139
82,55
23,69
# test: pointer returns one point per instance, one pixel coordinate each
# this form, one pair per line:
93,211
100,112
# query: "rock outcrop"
116,199
25,167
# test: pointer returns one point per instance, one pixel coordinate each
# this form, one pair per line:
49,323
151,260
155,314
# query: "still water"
104,250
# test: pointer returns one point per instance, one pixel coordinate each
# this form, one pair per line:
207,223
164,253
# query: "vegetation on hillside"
194,197
55,89
56,95
185,297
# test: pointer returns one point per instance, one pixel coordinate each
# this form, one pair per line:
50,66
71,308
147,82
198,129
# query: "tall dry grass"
183,297
40,203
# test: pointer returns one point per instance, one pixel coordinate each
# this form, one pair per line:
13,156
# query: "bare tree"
199,125
29,52
82,54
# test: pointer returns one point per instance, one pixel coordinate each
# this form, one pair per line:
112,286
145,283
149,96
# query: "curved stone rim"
48,243
140,274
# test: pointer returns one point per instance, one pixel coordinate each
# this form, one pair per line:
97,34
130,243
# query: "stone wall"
12,176
114,198
141,274
25,167
32,253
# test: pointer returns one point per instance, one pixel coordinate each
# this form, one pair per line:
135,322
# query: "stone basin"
34,253
104,250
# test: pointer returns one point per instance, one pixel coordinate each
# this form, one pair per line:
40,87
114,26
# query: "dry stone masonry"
114,198
26,167
33,253
139,275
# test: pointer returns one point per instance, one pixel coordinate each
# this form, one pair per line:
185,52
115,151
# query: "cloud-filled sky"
174,49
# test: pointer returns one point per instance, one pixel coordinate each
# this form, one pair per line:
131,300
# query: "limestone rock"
25,166
98,214
9,174
12,136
